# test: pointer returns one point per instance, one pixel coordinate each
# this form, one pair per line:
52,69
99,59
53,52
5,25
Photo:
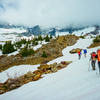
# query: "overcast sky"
50,12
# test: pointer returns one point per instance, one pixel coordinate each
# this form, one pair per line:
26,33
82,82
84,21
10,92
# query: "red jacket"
79,52
93,56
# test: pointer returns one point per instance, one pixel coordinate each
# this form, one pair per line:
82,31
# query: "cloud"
51,12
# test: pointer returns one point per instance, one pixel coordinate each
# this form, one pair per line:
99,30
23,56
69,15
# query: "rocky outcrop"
11,84
75,50
48,68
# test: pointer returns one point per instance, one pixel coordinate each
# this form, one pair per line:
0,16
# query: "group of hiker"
80,53
94,56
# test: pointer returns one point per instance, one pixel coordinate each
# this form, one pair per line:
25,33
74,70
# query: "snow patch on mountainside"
8,37
84,31
77,33
62,33
12,30
10,34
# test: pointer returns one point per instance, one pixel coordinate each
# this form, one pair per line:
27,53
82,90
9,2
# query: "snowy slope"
12,30
84,31
17,71
8,37
7,34
78,33
72,83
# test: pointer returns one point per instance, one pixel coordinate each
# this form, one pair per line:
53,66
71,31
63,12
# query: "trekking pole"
99,70
89,66
96,70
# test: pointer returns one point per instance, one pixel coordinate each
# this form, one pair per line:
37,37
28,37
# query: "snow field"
17,71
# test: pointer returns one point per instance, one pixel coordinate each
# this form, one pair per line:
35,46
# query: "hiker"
98,58
85,52
79,54
93,60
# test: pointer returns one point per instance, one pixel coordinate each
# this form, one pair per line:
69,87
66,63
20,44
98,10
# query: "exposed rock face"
12,83
2,90
53,67
48,68
36,30
96,31
75,50
52,31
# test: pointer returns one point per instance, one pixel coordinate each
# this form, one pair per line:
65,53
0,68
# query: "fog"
50,12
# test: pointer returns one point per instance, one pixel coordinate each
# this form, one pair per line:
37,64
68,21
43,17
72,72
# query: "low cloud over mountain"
50,12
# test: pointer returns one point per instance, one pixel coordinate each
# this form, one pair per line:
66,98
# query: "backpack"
98,54
93,56
85,51
79,52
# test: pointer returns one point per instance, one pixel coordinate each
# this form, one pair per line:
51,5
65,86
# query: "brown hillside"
52,49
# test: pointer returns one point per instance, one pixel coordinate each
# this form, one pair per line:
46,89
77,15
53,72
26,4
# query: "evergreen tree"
8,48
26,52
50,36
23,41
40,38
97,39
34,43
47,39
0,47
18,45
44,54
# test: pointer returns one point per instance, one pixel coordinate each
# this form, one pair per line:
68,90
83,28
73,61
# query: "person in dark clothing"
79,54
93,60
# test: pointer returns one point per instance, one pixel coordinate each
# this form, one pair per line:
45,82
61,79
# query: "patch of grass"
83,37
44,54
96,42
26,52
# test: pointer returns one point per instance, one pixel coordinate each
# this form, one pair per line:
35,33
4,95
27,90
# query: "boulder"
44,67
37,75
63,64
75,50
28,75
12,86
2,91
12,83
1,84
48,68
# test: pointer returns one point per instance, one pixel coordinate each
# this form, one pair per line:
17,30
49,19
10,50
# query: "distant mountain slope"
7,30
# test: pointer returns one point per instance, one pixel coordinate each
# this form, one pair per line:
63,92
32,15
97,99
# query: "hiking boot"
93,68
